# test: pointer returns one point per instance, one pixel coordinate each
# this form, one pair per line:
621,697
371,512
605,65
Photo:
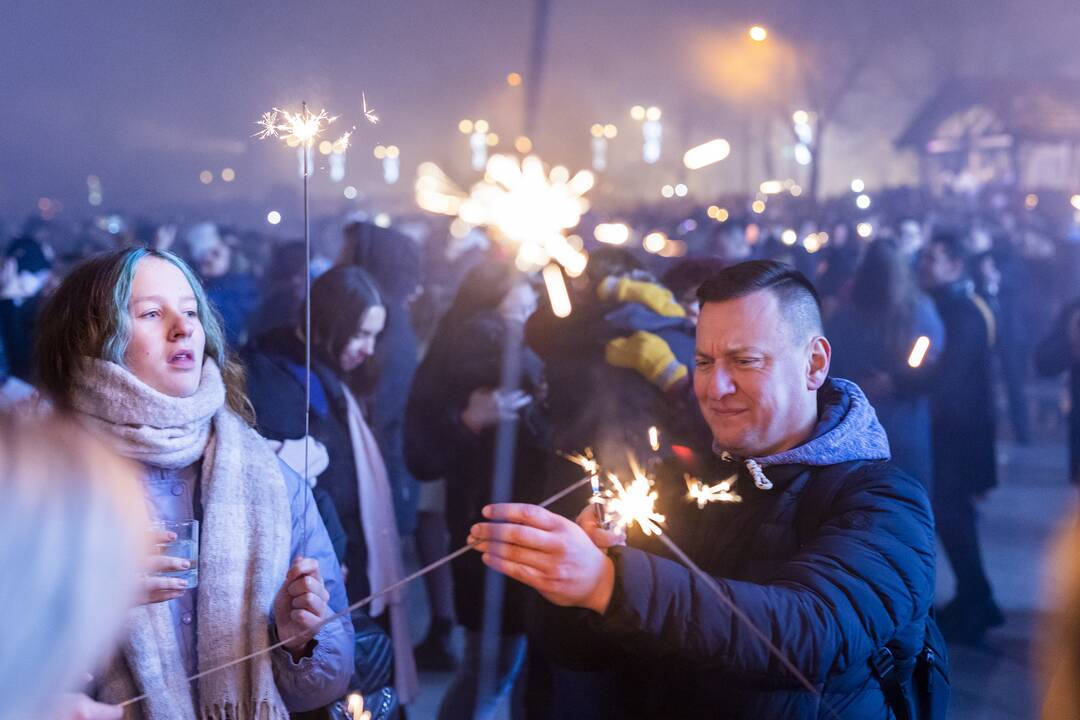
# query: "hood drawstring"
752,466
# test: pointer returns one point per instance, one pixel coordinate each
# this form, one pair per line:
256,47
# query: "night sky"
146,95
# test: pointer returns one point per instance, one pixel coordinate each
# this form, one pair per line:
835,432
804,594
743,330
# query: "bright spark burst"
704,494
634,503
301,128
527,210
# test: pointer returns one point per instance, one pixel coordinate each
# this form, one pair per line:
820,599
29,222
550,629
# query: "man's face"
936,268
756,377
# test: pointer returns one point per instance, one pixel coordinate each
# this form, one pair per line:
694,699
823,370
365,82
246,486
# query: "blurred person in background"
962,409
1057,353
684,279
129,344
73,530
24,279
873,338
454,409
994,273
235,295
347,318
393,260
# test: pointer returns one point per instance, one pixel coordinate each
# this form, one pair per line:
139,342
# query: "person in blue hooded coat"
822,572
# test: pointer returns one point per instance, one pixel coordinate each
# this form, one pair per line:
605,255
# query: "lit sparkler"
634,503
527,209
301,128
704,494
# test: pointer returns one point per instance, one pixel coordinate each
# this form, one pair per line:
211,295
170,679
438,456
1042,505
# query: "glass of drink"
185,546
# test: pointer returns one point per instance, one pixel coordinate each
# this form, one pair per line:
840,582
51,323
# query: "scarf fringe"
244,710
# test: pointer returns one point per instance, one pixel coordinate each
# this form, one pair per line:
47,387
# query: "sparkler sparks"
301,128
369,113
634,503
526,209
704,494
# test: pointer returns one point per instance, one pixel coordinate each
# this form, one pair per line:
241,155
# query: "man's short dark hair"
798,298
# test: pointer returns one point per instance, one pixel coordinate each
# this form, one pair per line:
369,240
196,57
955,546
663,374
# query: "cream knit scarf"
243,549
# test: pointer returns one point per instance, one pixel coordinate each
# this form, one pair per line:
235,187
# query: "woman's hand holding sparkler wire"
555,556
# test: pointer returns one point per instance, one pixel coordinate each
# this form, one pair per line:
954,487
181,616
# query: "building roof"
1043,110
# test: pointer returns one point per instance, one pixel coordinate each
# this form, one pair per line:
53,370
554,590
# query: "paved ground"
993,682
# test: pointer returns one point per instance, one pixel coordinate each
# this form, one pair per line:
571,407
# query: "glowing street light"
706,154
758,33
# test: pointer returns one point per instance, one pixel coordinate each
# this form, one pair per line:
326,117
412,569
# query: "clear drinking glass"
186,546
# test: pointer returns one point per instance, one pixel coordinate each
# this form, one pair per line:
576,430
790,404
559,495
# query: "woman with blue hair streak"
130,345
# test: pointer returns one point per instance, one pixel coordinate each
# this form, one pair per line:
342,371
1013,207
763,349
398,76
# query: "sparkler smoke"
358,604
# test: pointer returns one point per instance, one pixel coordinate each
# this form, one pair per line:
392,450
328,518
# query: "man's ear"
817,367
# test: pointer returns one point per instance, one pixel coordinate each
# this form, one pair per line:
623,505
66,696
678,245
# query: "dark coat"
464,358
235,296
834,562
275,374
862,348
18,321
1053,357
962,403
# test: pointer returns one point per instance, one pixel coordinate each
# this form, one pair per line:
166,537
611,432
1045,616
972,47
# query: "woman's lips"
182,360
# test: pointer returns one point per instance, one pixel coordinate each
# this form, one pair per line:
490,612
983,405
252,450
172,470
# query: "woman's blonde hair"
72,543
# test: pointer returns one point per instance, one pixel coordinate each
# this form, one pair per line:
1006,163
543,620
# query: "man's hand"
590,520
154,588
547,552
76,706
300,605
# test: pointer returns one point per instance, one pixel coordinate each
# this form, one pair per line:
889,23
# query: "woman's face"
361,345
167,338
519,304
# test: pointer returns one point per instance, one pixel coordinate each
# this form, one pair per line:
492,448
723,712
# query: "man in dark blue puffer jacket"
830,554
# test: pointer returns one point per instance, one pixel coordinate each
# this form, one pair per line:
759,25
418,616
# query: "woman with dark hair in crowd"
129,344
873,339
453,411
347,316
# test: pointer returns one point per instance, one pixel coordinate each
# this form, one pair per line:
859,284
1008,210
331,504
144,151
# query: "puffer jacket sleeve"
867,572
323,677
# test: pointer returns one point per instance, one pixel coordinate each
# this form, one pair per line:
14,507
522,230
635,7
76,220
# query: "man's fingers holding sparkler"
590,520
548,553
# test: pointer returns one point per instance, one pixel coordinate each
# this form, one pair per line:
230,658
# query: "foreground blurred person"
830,554
129,344
72,536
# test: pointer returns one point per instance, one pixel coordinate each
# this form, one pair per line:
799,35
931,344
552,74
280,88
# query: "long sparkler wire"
304,148
358,604
711,583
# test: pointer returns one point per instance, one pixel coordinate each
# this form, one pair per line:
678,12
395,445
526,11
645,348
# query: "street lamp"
758,33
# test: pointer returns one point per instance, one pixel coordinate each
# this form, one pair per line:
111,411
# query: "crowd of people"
851,375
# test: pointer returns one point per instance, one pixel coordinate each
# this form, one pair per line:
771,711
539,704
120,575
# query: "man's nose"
721,383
